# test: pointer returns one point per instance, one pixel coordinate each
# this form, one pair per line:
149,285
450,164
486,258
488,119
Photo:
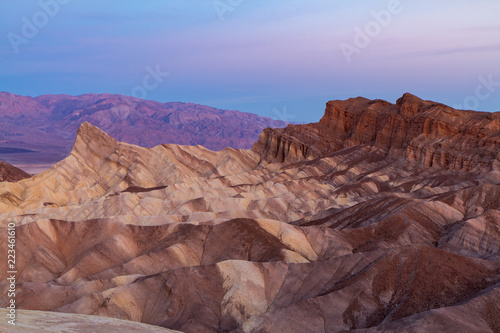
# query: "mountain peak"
92,138
87,130
408,95
410,105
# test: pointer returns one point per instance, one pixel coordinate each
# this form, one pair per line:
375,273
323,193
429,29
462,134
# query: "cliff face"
428,133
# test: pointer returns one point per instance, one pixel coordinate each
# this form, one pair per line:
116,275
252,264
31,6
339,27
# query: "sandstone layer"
379,218
425,132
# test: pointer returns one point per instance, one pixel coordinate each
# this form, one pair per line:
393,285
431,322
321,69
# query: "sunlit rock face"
381,217
429,133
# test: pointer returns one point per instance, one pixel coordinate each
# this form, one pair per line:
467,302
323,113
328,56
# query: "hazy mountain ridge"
328,227
48,124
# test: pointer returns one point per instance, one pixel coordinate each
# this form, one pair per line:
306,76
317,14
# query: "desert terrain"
380,217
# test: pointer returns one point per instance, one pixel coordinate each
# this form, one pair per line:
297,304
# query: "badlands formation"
380,218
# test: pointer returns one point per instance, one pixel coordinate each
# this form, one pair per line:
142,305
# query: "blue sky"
282,59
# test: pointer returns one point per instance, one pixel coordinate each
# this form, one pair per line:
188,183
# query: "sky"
280,59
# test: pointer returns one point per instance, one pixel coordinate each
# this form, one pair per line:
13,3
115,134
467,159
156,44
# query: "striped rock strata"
380,217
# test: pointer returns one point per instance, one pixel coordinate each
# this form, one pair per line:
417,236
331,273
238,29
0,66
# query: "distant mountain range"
47,125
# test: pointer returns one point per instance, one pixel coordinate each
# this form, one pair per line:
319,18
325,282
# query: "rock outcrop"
429,133
9,173
338,226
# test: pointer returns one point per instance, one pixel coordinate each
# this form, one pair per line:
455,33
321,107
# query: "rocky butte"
379,218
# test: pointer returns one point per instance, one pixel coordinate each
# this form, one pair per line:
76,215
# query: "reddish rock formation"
432,134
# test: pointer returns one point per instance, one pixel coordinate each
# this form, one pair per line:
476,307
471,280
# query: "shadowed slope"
9,173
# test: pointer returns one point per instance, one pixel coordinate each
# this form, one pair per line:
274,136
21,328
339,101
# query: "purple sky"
281,59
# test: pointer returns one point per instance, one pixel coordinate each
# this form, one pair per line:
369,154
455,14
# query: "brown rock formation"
9,173
429,133
339,226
